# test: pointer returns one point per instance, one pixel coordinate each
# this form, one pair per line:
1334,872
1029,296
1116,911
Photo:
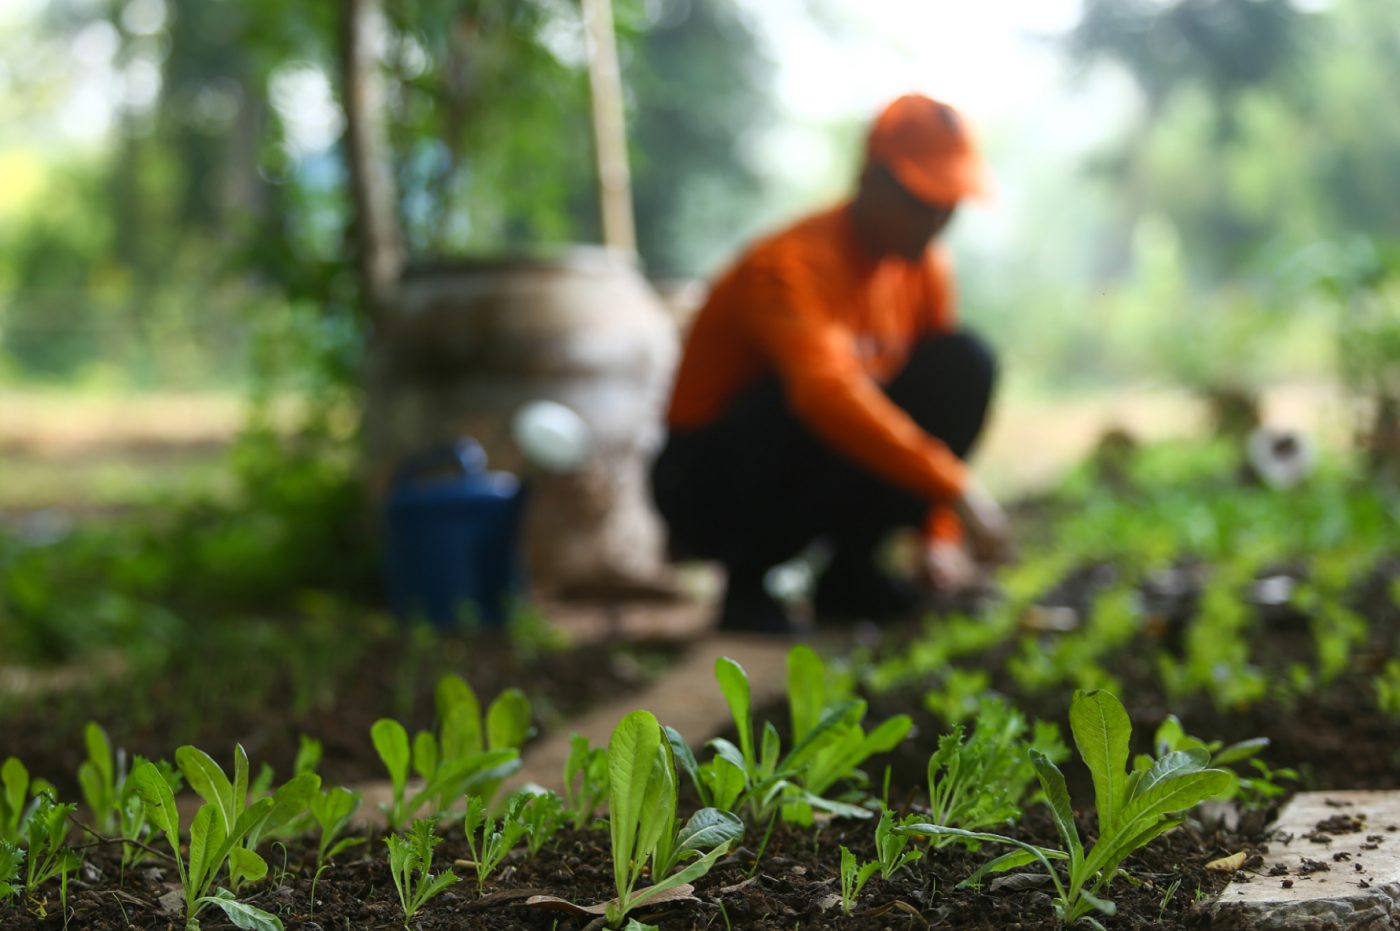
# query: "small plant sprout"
46,830
1133,808
585,781
332,811
468,756
489,841
889,846
411,865
981,781
229,801
542,815
14,791
99,780
11,859
828,746
853,878
209,848
642,819
1252,792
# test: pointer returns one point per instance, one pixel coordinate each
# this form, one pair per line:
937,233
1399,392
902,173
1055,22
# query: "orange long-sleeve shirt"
810,305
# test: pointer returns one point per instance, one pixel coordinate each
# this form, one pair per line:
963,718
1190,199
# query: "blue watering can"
452,538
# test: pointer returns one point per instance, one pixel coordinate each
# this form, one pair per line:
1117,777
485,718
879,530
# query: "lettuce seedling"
99,780
585,780
46,831
11,859
496,840
332,811
889,846
642,819
542,815
853,878
230,801
1133,808
411,865
468,756
14,790
828,746
209,848
1250,791
981,781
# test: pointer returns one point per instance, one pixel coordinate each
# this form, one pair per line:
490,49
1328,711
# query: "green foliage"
1252,792
829,744
211,843
853,878
11,859
642,818
889,847
496,839
332,811
469,755
585,780
1133,808
542,814
97,778
981,781
14,792
411,864
46,834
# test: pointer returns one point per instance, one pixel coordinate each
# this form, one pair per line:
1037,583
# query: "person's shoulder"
814,238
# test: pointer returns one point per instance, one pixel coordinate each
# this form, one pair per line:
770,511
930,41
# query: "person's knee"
976,361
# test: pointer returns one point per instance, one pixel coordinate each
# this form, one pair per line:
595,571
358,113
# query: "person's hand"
988,530
948,567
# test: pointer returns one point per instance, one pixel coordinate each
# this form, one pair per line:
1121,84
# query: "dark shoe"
748,608
849,592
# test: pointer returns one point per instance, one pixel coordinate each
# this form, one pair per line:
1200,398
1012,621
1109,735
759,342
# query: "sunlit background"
1184,187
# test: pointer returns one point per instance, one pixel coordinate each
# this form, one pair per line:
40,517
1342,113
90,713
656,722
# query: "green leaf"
806,684
241,914
208,781
206,835
1176,763
245,864
158,801
685,759
16,780
631,770
707,828
425,754
99,750
1052,781
461,732
454,692
635,925
1238,752
1101,732
288,803
508,720
1102,905
692,872
240,780
1176,792
391,743
734,684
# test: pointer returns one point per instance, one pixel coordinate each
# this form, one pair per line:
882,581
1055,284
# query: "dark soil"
251,697
792,886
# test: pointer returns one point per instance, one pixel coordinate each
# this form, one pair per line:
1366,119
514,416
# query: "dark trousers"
755,487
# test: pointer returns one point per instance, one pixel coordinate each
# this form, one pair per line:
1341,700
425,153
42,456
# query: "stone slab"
1333,862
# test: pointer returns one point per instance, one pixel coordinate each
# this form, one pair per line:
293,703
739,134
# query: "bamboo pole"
378,239
609,128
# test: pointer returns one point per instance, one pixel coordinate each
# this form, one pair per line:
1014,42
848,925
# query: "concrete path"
1333,862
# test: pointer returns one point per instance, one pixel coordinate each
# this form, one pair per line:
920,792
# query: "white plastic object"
1281,458
552,437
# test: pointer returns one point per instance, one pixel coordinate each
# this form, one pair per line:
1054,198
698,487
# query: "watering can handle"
465,454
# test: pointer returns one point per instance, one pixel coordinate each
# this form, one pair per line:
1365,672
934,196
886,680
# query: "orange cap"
929,149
